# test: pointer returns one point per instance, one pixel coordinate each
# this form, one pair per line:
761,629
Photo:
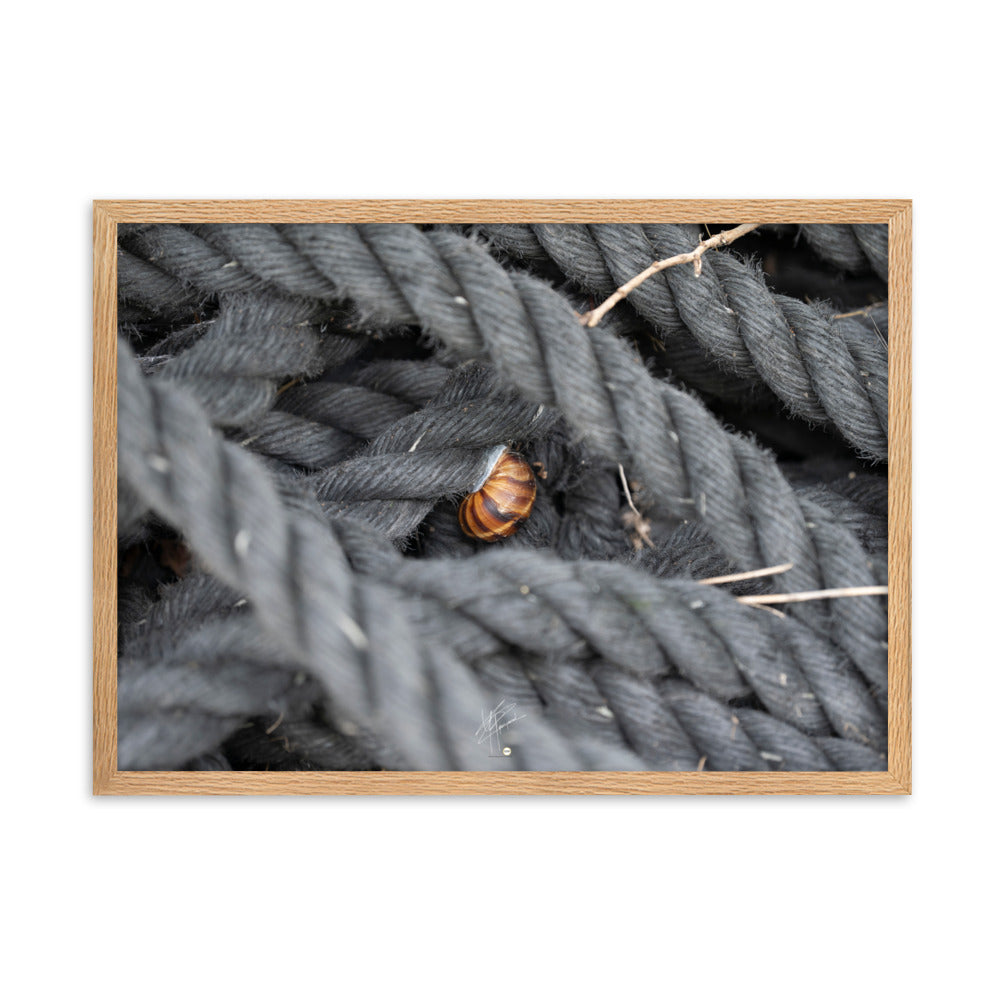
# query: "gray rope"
444,449
689,466
452,588
659,627
204,685
414,695
824,368
321,423
147,286
234,368
196,673
852,248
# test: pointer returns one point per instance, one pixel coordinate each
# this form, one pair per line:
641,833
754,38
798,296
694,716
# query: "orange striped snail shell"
504,500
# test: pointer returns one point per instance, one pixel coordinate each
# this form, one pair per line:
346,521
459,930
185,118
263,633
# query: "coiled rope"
822,366
617,669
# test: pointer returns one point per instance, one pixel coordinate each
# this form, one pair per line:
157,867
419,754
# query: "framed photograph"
489,497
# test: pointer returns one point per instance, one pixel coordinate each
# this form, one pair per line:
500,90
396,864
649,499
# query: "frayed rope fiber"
302,408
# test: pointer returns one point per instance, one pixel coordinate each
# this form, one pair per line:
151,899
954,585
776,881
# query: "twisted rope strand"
311,618
197,675
648,627
415,697
446,448
146,285
322,423
824,368
638,625
234,368
852,248
198,690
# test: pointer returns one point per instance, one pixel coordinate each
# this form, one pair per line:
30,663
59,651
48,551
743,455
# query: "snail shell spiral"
504,500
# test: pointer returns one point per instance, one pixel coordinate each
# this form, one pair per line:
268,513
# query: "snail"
502,502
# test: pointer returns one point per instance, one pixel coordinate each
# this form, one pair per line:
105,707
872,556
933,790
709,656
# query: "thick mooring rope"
823,366
303,406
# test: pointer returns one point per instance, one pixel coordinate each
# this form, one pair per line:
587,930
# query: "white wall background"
680,897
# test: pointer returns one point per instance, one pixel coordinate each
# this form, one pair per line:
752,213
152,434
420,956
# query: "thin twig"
856,312
867,313
628,495
593,317
812,595
638,523
773,611
750,574
289,384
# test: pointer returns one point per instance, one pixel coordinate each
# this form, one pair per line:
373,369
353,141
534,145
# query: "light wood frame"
108,780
